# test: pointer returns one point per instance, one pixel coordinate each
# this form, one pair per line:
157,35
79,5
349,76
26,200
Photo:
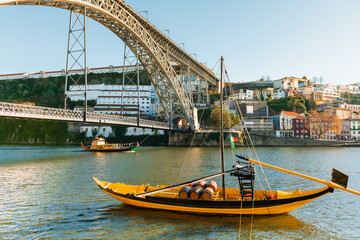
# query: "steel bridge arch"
115,15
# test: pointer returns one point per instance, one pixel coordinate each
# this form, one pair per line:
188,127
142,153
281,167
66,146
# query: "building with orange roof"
283,121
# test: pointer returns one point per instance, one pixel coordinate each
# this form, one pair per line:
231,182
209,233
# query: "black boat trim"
219,204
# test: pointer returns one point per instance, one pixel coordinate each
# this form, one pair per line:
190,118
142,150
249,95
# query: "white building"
135,131
244,94
95,131
330,87
353,87
326,96
111,99
290,82
284,133
355,129
107,131
76,92
279,93
283,121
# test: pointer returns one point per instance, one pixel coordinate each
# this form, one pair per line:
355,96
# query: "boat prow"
85,147
283,202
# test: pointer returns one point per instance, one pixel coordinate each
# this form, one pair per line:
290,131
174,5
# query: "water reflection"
52,186
211,227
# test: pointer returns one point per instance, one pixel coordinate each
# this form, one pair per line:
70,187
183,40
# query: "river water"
48,192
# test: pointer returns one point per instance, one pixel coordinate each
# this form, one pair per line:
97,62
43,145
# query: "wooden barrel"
195,193
184,192
213,185
208,193
201,184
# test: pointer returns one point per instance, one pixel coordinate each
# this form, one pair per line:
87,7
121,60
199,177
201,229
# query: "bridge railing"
35,112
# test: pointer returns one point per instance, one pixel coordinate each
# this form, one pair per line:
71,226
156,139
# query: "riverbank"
211,139
21,131
40,132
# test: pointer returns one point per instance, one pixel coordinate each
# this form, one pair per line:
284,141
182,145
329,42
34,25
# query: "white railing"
13,110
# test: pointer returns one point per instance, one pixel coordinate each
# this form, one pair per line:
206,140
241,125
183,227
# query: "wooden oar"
328,183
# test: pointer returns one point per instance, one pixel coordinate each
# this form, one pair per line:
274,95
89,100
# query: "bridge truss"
157,53
14,110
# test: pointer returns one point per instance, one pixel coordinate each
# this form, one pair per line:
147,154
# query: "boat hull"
257,207
108,149
112,150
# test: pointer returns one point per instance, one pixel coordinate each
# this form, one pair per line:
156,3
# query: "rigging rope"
249,138
233,155
233,158
187,154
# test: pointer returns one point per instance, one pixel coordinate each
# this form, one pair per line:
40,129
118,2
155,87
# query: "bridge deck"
13,110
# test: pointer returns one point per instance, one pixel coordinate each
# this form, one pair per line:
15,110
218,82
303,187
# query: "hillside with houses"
289,107
293,107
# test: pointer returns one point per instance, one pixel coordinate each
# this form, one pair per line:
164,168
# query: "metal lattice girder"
186,79
177,53
34,112
203,93
130,82
115,15
76,56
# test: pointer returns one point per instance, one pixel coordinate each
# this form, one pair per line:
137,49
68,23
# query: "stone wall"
212,140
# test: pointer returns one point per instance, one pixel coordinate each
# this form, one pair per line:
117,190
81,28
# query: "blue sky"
257,38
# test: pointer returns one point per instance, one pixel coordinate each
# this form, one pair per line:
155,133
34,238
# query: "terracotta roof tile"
289,113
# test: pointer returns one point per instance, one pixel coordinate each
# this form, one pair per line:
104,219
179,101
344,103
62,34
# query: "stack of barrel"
198,190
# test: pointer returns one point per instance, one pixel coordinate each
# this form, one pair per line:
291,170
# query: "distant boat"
100,145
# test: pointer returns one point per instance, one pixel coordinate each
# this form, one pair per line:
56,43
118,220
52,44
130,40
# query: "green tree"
214,97
95,131
295,104
119,131
351,98
229,119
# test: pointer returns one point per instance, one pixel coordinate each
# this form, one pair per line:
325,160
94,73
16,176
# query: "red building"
299,125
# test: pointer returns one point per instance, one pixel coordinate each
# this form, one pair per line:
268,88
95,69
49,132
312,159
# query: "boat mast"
221,127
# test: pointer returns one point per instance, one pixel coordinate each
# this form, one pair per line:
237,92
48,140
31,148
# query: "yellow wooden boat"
196,196
262,204
100,145
236,201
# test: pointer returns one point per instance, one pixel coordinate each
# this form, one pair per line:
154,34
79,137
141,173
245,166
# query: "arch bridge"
163,60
